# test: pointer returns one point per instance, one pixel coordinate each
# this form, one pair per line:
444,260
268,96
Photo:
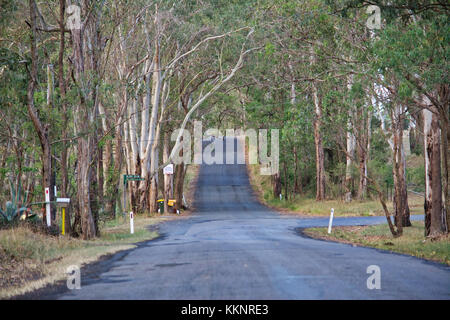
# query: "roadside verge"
412,241
304,205
31,260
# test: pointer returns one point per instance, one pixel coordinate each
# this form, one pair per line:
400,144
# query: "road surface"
235,248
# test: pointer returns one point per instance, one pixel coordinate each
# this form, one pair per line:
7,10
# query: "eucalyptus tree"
413,47
170,63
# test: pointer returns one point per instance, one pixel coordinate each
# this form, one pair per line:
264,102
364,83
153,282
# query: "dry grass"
312,207
412,241
30,260
307,206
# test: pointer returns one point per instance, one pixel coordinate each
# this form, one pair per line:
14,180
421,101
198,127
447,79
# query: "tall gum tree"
86,46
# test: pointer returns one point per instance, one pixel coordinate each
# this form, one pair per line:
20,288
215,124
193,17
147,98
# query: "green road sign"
126,178
132,177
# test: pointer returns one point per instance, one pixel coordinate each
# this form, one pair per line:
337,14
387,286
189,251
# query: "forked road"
235,248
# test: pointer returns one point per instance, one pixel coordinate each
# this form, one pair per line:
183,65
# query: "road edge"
301,232
51,290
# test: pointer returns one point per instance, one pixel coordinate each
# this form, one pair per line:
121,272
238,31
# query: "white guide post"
47,207
331,220
131,222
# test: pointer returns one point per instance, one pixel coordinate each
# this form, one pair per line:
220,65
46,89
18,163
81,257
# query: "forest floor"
412,242
31,259
303,205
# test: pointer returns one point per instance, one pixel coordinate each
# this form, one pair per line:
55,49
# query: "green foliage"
13,79
299,45
419,49
416,177
7,8
13,208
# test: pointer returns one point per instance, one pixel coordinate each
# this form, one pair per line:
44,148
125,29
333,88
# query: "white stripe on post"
331,220
47,207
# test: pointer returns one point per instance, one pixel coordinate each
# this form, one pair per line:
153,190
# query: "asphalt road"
235,248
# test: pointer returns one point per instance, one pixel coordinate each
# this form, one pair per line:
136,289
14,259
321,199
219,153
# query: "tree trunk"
107,179
117,168
94,189
84,188
153,194
86,47
179,183
298,175
148,158
369,136
349,157
445,134
276,182
362,154
62,89
100,179
168,178
50,105
320,167
41,130
397,167
320,158
433,189
109,186
286,183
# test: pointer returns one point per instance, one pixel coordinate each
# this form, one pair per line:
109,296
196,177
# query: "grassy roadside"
31,260
308,206
412,242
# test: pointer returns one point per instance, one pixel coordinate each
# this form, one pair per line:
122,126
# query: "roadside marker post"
131,223
331,220
47,207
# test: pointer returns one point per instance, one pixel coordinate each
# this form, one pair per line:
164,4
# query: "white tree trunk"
351,143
